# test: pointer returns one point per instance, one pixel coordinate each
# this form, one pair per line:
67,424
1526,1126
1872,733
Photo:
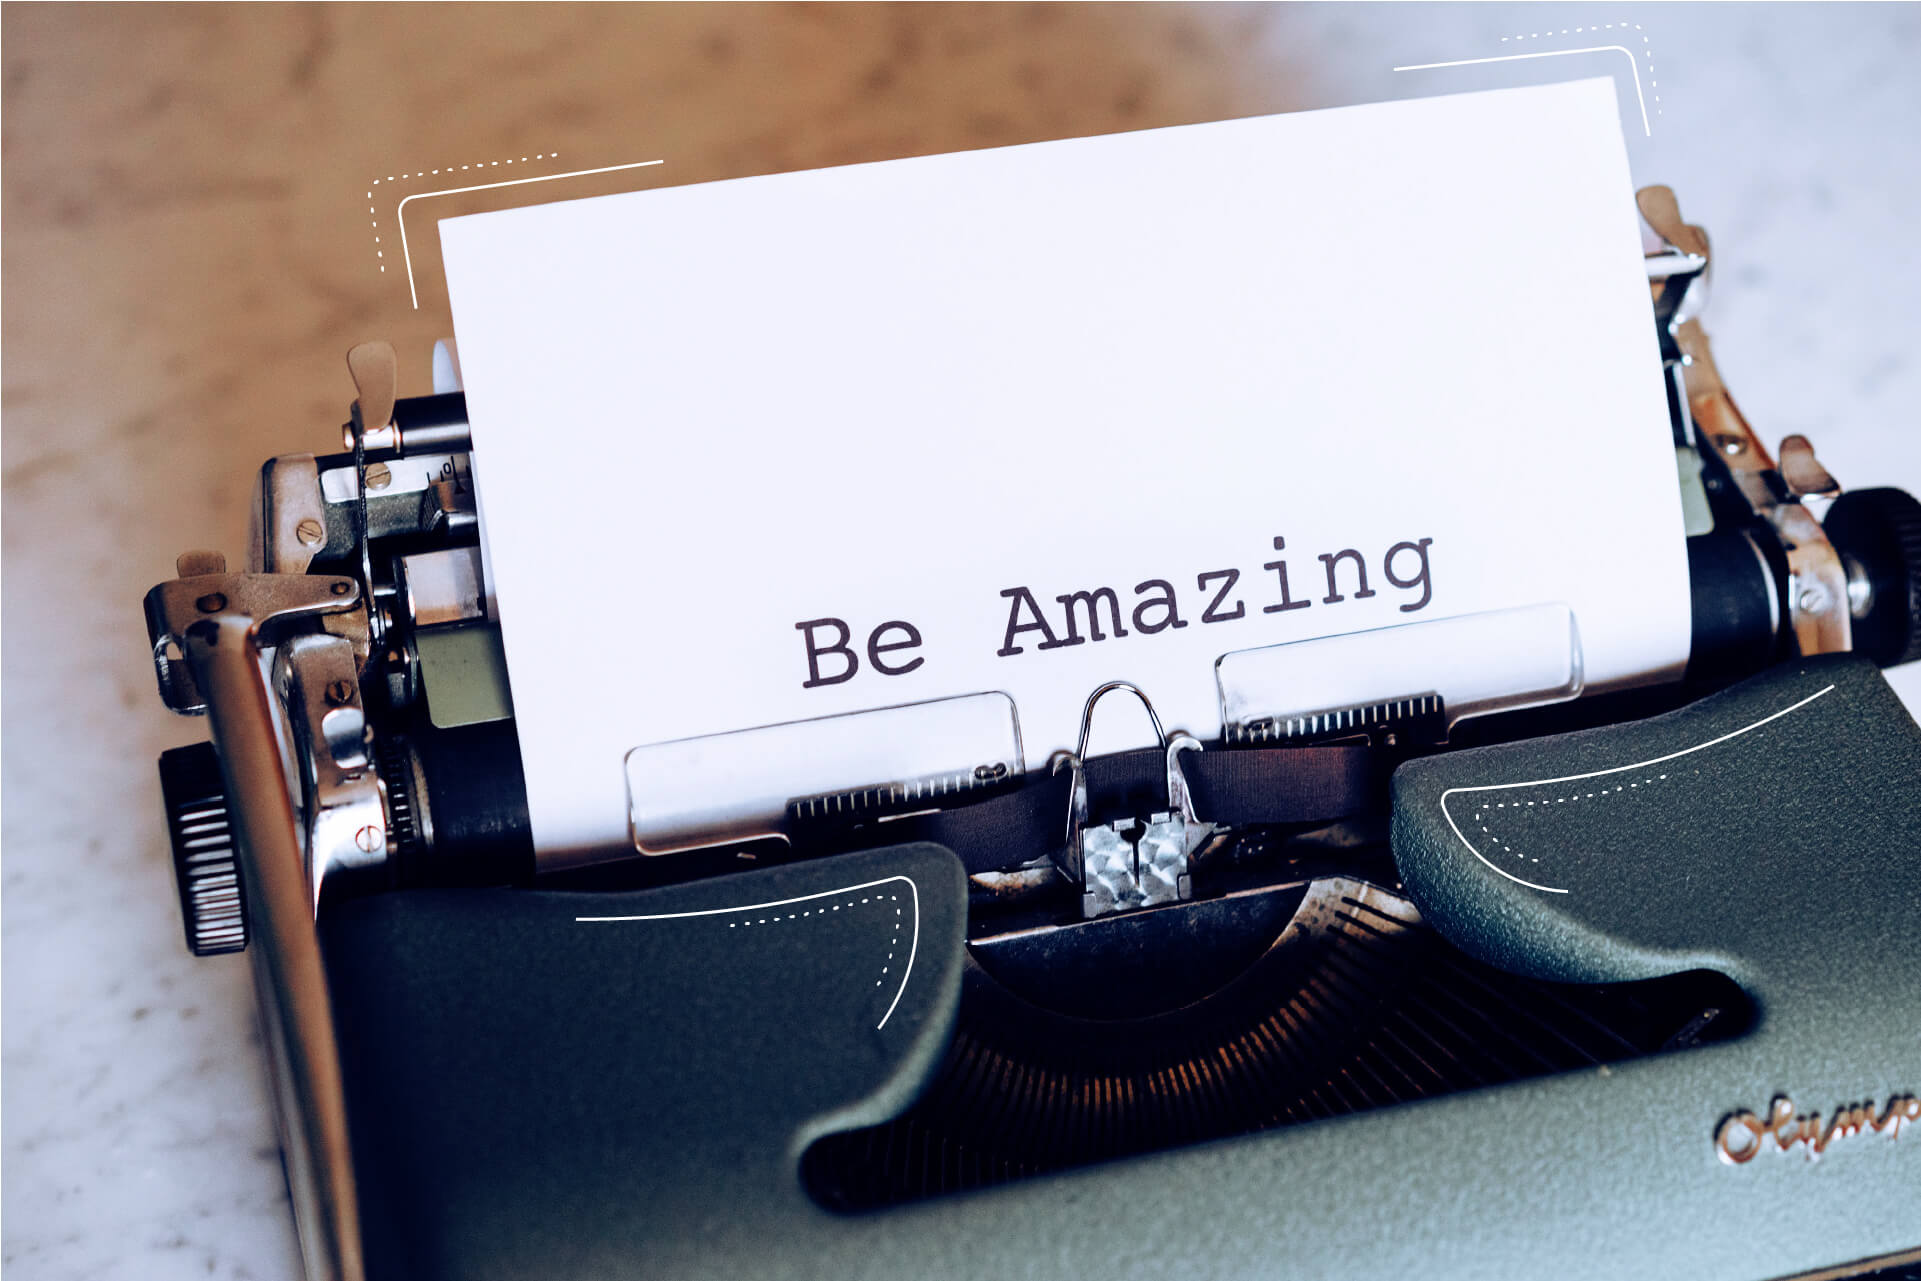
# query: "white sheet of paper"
704,415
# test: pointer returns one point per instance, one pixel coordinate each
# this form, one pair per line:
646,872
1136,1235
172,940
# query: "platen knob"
213,905
1879,530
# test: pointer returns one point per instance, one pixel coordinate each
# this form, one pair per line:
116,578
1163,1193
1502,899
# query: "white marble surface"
186,256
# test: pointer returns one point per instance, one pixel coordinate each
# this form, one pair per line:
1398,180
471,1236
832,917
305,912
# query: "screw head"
211,603
370,839
1732,444
340,692
341,587
379,476
1811,599
310,532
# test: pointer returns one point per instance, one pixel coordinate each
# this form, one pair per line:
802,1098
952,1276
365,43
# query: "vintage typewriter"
1622,986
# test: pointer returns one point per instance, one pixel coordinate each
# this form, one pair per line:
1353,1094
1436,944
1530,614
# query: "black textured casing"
532,1094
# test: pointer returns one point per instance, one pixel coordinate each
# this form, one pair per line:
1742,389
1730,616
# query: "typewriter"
1622,986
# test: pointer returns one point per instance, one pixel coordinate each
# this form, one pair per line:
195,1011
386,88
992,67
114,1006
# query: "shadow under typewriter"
1316,998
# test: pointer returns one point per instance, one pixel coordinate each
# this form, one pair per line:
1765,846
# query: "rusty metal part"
1803,473
1817,598
376,375
1678,280
1037,875
1663,213
1817,593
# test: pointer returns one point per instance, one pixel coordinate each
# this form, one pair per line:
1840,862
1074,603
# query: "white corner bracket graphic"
1618,769
825,908
400,214
1634,71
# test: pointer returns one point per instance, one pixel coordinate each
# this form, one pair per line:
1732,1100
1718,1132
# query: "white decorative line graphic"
1601,793
1634,67
789,909
1599,773
380,253
1647,49
483,164
400,214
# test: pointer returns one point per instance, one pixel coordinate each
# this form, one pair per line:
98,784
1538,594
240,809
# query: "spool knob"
1879,530
213,904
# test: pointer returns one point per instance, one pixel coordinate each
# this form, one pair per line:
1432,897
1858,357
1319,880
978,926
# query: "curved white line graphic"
913,943
1634,69
400,213
1618,769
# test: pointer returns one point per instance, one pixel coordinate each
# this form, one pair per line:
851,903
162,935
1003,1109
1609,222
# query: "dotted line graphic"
826,904
893,942
1647,50
1577,796
1791,708
485,164
373,218
1602,794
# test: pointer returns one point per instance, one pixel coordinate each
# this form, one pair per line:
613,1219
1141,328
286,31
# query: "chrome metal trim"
219,624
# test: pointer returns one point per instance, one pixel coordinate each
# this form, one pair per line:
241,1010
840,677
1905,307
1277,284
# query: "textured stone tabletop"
190,248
